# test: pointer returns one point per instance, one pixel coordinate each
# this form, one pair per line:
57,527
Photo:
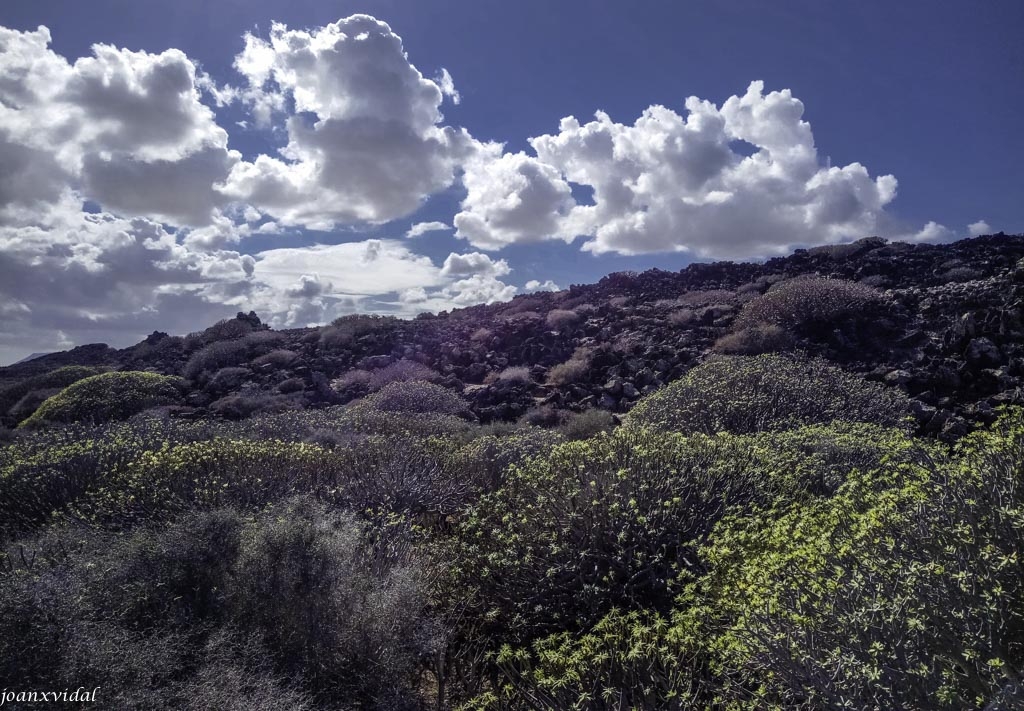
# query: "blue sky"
930,93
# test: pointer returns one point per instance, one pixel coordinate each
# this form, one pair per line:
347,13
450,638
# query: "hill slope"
946,324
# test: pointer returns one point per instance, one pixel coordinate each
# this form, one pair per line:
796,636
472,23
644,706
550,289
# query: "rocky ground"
951,335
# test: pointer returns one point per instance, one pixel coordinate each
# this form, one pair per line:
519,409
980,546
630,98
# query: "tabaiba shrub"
901,591
597,524
415,397
767,392
809,300
11,396
105,397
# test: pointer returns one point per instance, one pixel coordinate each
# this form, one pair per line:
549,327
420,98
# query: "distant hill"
31,356
945,323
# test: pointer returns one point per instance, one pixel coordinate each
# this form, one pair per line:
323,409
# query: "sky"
165,165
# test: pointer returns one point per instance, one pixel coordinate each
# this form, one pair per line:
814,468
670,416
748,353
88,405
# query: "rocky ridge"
951,335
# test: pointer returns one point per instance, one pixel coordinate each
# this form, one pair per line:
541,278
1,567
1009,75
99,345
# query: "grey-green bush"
743,394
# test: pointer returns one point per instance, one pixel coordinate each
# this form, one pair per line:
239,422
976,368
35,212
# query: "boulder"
983,352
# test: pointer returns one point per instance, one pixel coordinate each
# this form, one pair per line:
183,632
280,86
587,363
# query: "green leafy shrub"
810,300
625,661
609,522
106,397
767,392
61,377
638,657
902,591
485,459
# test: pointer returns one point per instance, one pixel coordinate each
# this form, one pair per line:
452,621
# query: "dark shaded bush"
165,348
227,379
30,403
225,353
344,331
237,407
106,397
392,475
767,392
279,358
216,356
810,300
542,416
586,424
160,616
291,385
349,620
225,330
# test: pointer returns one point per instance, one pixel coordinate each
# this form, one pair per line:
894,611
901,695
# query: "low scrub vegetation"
106,397
763,532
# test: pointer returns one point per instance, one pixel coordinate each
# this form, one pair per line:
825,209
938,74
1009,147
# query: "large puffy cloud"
127,129
474,263
511,198
122,204
365,142
669,183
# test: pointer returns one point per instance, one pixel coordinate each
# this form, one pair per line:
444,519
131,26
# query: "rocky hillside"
943,322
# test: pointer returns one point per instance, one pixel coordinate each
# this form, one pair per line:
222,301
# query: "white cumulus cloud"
126,129
976,229
365,140
421,228
674,183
